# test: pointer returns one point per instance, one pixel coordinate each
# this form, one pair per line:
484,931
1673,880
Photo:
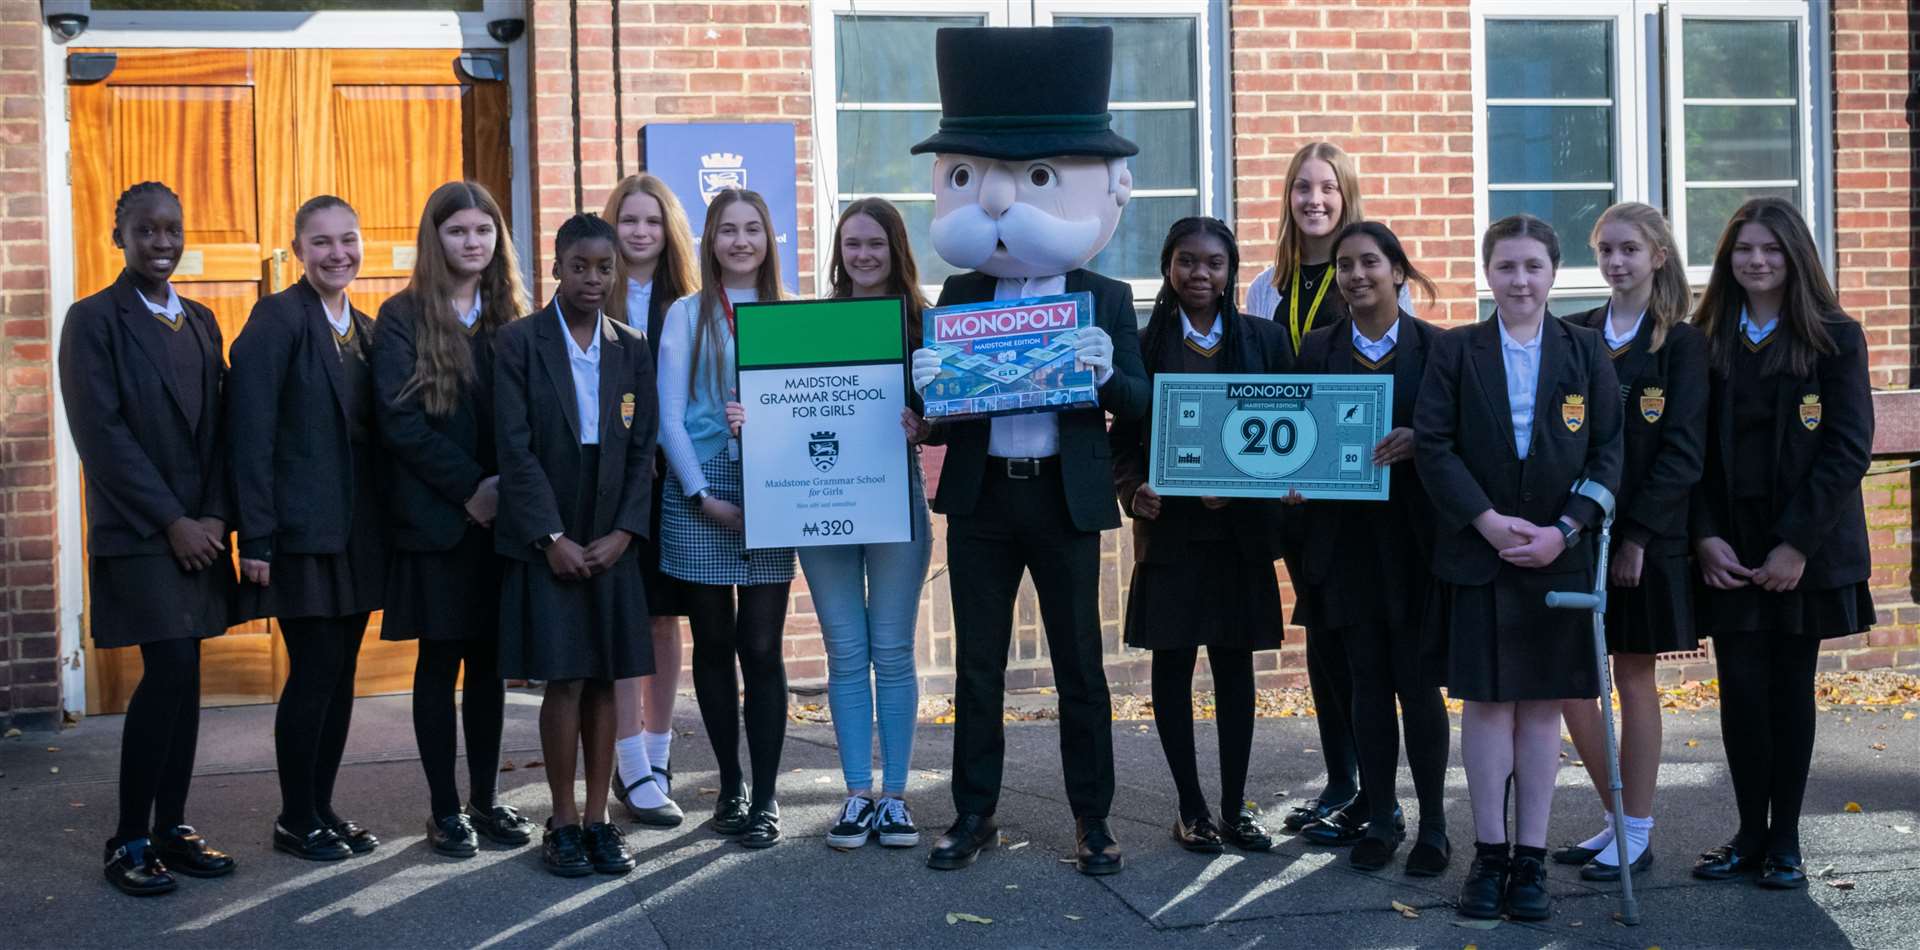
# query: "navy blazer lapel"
1555,350
320,337
1490,373
1627,366
613,375
145,329
1339,347
1409,364
550,346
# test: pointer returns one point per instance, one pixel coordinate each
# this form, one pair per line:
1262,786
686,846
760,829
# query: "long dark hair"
1396,254
443,364
1166,302
903,277
1806,300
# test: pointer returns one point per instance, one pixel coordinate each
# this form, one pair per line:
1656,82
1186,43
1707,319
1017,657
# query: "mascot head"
1028,175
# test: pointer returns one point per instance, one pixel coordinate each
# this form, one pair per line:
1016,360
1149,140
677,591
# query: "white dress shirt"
1376,350
1034,434
472,315
340,324
1616,342
171,312
1754,331
639,300
1523,379
1208,340
585,365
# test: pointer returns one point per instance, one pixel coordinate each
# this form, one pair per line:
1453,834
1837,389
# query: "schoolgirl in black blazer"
1203,567
1779,525
576,420
1514,413
313,551
433,374
142,375
1363,574
1661,363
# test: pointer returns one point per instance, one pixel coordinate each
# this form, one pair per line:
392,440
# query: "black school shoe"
1315,809
359,839
320,844
607,849
1097,853
1527,897
1574,855
730,815
453,836
1428,859
501,824
186,852
763,828
1244,831
963,841
1782,871
1346,827
1197,834
1485,889
135,868
564,851
1725,863
1596,871
1374,852
661,816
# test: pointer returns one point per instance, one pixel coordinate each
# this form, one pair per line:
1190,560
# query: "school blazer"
292,459
1663,432
147,464
537,424
1329,351
1086,458
1463,432
434,463
1250,345
1816,500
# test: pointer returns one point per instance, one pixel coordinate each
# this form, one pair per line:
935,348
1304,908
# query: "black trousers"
1022,526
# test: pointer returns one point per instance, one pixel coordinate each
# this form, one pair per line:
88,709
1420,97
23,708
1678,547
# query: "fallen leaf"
1017,845
506,766
1475,924
1840,885
709,791
77,804
1853,808
53,748
1406,911
1903,829
1578,762
1878,747
1908,715
1693,743
15,733
823,780
1073,916
532,764
1013,887
1824,872
954,918
1577,923
55,770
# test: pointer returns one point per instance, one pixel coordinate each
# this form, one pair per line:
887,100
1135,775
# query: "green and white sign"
823,456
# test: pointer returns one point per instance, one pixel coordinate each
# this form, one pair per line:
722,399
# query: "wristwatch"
546,541
1568,533
700,496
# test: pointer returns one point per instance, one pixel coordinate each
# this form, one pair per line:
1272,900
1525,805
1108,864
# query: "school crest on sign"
1573,412
1653,403
720,171
824,450
626,410
1810,411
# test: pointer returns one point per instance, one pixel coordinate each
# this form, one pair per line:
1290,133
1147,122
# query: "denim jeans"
867,598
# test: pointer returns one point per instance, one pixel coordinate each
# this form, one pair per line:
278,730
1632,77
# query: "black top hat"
1018,94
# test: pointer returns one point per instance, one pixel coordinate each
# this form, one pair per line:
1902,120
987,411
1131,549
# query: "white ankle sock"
1604,839
634,766
659,747
1639,838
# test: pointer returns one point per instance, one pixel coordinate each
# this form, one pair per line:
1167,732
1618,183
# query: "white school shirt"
472,316
1616,342
1205,341
1754,331
639,300
341,324
171,312
1523,379
1376,350
1033,435
585,365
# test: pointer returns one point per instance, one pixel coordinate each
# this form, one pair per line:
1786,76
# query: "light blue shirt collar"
1754,331
1374,350
639,301
1205,341
472,316
585,366
173,309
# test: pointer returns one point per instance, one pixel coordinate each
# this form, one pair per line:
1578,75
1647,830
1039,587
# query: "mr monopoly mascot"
1029,180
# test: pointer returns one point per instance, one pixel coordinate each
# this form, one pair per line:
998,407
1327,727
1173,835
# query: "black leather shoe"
1197,835
1527,887
453,836
1244,830
1596,871
1097,853
763,828
661,816
1342,829
186,852
564,851
1782,872
1429,860
320,844
1485,889
730,815
1725,863
969,835
135,868
1315,809
1373,852
357,838
607,849
501,824
1574,855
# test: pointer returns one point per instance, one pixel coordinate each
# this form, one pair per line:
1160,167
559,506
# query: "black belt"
1023,469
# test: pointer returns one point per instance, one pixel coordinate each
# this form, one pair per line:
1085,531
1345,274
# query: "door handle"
278,277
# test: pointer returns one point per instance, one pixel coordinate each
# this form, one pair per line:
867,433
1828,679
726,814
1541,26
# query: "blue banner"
699,159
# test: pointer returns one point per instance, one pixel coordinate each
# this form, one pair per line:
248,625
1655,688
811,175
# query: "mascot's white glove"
1092,346
926,365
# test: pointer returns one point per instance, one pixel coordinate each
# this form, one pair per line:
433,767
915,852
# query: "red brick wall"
29,636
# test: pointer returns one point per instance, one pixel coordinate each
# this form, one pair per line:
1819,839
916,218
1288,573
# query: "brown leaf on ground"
1406,911
1840,885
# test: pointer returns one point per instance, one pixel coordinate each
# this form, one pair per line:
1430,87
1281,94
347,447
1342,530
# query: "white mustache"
966,236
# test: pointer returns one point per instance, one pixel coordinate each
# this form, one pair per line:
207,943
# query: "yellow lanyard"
1294,325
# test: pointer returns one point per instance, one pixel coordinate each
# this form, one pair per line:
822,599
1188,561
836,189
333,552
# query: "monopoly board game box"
1008,356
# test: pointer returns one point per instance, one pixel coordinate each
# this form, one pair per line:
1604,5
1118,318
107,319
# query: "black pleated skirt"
1825,613
664,594
1657,616
342,584
1215,598
147,598
445,595
1503,644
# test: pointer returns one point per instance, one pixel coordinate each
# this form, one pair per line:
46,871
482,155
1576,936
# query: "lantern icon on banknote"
824,450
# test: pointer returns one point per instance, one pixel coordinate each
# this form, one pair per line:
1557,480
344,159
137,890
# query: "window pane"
1153,58
1572,214
888,58
1708,210
1742,143
873,151
1549,144
1740,59
1549,59
1134,252
1169,143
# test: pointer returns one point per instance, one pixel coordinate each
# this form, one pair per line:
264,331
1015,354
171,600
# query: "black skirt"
1216,598
444,595
1657,616
596,629
1504,644
1825,614
147,598
341,584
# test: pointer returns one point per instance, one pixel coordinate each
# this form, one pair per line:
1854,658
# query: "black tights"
158,739
1233,721
1767,723
1385,668
752,635
1330,680
482,706
316,709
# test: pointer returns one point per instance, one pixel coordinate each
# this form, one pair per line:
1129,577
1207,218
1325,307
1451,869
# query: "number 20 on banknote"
1263,436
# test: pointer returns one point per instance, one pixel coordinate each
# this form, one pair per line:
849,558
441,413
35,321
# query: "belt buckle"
1023,468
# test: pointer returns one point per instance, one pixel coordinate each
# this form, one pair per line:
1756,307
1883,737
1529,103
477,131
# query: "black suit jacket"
537,424
1664,432
293,460
1817,506
1463,429
1249,345
434,463
147,464
1329,351
1086,459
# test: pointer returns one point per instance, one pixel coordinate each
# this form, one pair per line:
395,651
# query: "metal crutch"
1597,602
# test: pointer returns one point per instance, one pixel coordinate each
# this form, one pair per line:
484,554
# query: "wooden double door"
244,136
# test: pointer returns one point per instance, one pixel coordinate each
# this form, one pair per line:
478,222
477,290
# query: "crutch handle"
1569,600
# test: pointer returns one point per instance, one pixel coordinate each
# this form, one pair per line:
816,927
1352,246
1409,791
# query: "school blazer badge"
1653,403
1810,411
626,410
1573,412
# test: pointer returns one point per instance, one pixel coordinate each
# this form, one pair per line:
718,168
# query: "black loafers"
135,868
320,844
1485,889
963,842
1315,809
607,849
453,836
1342,829
359,839
1527,887
186,852
1428,859
1782,871
730,815
501,824
763,828
1244,830
1373,852
1097,853
1197,835
1574,855
1725,863
1596,871
564,851
661,816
